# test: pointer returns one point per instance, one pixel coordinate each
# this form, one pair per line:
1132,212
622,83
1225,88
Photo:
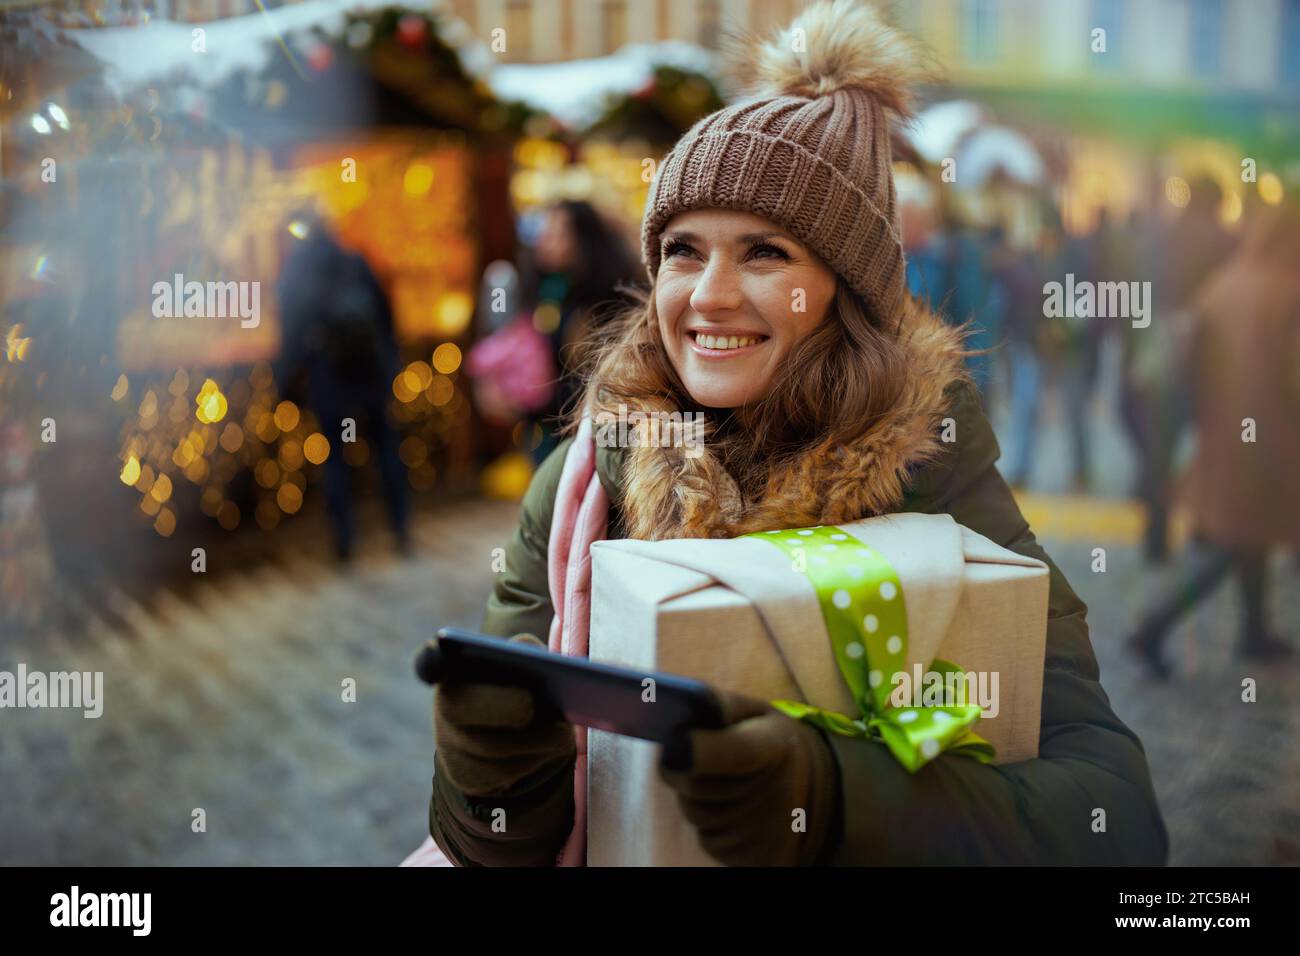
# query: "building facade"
539,31
1234,44
1231,45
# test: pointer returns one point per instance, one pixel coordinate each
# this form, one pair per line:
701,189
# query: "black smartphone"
644,704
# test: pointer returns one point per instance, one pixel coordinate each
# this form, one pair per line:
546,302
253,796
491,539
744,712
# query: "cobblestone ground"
229,699
1227,773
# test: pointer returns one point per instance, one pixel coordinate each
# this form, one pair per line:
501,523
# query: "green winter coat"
955,810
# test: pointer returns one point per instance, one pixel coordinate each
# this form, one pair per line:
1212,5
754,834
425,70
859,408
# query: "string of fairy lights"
202,431
207,429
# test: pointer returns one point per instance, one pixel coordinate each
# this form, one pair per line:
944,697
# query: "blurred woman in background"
1154,402
581,260
1245,369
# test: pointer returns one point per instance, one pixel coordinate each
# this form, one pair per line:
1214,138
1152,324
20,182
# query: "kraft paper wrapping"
735,614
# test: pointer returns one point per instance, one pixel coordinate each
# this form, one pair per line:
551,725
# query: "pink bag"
581,518
514,369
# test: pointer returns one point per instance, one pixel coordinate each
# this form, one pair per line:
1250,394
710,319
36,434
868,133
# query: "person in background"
337,327
498,300
511,368
581,261
1021,276
977,297
925,241
1076,358
1154,400
1245,365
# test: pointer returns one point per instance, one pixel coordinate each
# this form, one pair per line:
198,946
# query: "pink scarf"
581,517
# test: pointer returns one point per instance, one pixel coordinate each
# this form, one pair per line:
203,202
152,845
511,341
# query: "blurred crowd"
1216,358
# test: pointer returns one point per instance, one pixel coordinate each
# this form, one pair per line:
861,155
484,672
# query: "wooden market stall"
161,172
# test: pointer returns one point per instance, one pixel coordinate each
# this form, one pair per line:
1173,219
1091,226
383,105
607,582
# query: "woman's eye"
766,250
676,248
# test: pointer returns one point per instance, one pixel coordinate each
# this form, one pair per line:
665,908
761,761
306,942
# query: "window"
1108,15
1288,54
979,31
708,24
615,24
1206,37
519,30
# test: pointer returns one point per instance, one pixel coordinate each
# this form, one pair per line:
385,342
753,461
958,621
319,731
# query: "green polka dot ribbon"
862,603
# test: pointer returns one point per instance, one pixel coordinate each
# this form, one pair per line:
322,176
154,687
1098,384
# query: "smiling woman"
734,295
778,305
813,368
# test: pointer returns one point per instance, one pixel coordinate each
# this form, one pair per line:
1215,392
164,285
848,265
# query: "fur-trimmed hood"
666,493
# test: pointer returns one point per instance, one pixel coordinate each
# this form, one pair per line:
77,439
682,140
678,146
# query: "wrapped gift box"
736,614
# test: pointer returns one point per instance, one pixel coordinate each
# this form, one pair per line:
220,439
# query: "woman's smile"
713,344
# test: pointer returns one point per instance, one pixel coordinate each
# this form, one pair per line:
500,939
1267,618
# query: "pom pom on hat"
832,45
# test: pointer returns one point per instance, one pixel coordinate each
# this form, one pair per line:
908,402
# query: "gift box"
757,617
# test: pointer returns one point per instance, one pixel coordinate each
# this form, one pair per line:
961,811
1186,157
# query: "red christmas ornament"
412,31
320,58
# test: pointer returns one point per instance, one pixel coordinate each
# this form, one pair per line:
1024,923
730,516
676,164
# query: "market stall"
616,116
191,169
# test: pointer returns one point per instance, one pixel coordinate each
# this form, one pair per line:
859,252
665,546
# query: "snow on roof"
937,129
575,91
139,56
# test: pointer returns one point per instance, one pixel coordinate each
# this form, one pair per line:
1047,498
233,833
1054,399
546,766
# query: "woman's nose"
718,288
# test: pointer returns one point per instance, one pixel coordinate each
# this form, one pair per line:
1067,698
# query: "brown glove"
746,781
503,778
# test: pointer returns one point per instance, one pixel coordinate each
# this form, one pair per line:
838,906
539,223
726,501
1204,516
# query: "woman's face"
735,292
556,249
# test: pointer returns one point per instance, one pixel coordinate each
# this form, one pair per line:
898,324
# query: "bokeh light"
131,471
211,403
418,179
1178,191
1270,188
316,448
289,498
287,416
446,358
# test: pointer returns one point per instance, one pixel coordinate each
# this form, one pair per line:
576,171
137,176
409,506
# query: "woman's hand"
503,776
488,740
760,792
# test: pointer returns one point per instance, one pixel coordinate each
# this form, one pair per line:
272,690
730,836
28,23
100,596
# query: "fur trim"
828,47
667,494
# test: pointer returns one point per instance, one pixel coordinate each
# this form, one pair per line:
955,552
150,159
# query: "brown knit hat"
809,149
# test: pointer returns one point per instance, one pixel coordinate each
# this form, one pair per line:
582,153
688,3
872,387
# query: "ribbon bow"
862,603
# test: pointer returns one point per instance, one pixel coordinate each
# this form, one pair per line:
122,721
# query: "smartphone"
620,700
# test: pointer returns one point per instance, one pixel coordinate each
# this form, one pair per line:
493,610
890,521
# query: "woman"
1245,363
772,225
582,262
